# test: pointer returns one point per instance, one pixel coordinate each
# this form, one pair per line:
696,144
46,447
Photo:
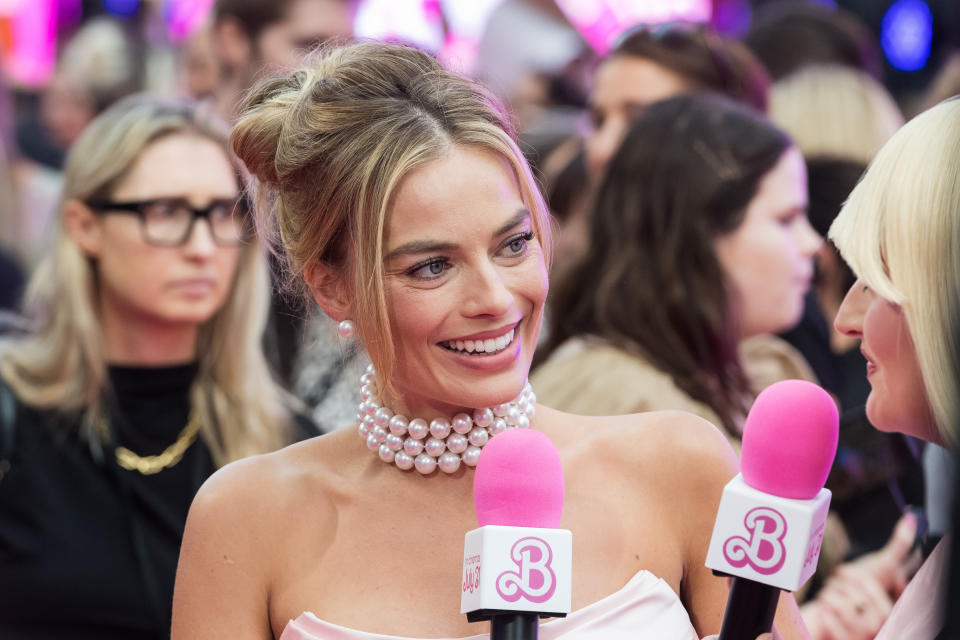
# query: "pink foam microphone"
771,517
517,566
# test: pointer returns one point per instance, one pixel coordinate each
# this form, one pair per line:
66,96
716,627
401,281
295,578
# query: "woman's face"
769,258
466,281
898,399
182,285
623,87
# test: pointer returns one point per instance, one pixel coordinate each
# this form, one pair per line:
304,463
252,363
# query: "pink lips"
871,367
194,286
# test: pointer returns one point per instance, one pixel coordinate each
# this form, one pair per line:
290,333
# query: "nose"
849,320
487,294
808,239
601,145
200,242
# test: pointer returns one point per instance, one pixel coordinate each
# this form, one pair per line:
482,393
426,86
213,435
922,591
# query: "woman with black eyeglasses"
144,374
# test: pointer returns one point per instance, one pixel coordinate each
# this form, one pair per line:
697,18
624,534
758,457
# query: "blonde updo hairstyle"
329,144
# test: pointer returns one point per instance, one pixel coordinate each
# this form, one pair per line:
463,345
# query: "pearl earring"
346,329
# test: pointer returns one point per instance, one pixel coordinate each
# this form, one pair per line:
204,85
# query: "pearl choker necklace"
443,443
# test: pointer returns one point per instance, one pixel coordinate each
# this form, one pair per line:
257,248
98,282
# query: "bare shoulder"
681,459
667,442
241,534
273,486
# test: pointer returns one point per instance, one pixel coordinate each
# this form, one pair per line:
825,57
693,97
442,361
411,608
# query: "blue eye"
429,270
517,245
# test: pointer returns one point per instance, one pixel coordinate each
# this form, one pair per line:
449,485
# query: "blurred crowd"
749,145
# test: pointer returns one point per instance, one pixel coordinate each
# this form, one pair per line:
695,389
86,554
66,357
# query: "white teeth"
490,345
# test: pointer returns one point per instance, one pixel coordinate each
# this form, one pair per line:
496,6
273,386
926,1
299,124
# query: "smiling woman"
405,205
144,374
900,233
482,263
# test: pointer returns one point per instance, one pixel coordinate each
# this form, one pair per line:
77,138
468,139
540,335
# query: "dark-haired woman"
654,62
699,240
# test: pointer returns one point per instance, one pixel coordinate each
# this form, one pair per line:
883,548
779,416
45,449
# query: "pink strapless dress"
645,607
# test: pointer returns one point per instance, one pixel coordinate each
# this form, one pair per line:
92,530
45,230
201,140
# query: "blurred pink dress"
918,612
645,607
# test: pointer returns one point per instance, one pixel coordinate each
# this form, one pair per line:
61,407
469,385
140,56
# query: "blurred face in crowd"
199,65
768,259
143,284
623,87
466,282
306,24
898,399
65,109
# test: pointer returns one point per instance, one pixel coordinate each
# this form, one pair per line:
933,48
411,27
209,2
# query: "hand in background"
858,596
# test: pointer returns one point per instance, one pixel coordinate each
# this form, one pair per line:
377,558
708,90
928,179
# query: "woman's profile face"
898,399
167,285
466,281
768,259
622,88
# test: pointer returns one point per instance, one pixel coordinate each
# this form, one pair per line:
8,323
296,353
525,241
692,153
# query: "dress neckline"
310,623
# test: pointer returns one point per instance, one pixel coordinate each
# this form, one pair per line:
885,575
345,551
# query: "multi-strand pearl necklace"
444,442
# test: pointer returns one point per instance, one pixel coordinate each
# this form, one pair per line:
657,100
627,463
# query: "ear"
84,227
232,43
330,289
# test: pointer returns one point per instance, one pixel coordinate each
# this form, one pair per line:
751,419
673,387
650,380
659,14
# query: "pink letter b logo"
764,550
535,580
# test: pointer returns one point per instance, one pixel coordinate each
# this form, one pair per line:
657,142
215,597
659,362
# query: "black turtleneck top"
89,549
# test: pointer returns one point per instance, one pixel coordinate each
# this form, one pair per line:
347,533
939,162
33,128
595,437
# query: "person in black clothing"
11,282
143,375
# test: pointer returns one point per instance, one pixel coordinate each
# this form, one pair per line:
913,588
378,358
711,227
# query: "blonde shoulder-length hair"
835,111
328,145
61,365
900,232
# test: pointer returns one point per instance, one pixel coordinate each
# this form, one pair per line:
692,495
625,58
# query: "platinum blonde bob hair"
900,233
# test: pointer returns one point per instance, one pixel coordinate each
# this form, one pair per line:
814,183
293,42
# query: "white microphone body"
766,538
516,569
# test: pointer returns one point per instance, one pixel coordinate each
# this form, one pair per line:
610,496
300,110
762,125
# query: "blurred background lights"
28,39
601,21
184,17
121,8
906,34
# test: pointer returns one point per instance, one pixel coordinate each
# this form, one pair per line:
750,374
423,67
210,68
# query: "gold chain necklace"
149,465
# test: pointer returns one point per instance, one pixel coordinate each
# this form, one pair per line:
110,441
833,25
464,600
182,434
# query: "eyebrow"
430,246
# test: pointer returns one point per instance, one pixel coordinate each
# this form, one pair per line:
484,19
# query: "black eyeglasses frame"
139,208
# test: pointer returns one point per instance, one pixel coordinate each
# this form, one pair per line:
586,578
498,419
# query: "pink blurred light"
184,17
69,14
449,28
601,21
33,55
